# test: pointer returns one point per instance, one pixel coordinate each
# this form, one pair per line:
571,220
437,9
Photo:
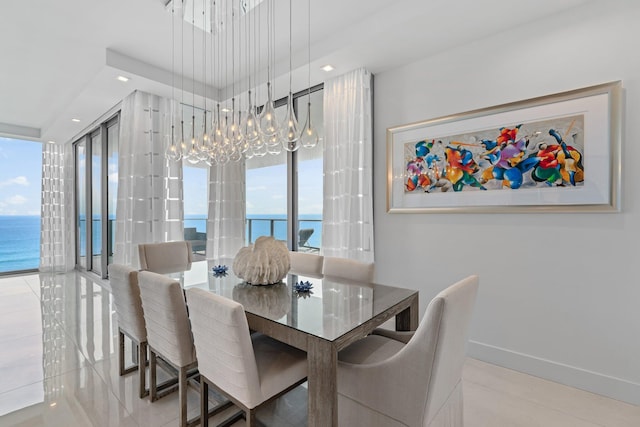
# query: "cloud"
16,200
113,177
278,197
257,188
18,180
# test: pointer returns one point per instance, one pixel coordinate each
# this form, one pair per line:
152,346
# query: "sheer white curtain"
226,219
57,245
149,207
347,219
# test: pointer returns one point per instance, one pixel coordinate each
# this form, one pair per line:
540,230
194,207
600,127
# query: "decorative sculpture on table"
263,263
219,270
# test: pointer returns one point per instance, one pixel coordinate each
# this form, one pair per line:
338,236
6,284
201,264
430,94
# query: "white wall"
559,293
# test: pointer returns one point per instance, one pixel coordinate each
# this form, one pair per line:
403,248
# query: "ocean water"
20,236
19,243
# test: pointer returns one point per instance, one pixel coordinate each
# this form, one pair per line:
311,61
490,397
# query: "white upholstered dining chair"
306,264
126,298
168,334
249,370
165,257
410,379
348,269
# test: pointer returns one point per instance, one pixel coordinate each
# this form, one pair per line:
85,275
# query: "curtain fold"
57,245
226,217
149,205
347,229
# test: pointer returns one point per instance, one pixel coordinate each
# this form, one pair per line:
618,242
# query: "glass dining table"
331,315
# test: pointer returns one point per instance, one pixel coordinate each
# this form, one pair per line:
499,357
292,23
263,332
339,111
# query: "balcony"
309,234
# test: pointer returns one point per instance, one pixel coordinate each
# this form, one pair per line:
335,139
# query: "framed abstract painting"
557,153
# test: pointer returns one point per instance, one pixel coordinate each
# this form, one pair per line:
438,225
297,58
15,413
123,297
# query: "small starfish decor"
303,287
220,270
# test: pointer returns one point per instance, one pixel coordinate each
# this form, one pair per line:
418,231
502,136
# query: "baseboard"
615,388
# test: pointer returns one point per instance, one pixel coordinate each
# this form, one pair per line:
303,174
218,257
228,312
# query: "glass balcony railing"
309,234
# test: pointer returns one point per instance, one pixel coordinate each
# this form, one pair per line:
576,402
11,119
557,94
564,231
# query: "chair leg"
250,420
120,352
142,369
206,413
204,402
182,391
153,391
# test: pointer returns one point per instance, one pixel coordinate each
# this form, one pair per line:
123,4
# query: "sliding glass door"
96,190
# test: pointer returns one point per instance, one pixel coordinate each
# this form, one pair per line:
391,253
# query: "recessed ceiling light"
123,78
51,141
225,110
75,120
328,68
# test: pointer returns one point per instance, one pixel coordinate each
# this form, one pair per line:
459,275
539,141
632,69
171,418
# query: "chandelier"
236,130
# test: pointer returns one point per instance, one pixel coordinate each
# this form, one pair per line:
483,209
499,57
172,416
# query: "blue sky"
266,189
20,172
21,168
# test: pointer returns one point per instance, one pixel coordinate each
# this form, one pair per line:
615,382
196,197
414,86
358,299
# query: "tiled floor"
58,368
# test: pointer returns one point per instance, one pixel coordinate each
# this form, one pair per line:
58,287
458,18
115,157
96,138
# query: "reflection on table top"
332,308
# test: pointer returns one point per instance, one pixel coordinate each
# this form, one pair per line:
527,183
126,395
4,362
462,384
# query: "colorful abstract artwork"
515,157
554,153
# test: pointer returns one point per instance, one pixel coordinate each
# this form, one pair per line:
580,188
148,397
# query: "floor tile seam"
47,378
4,342
543,383
117,399
537,403
70,338
2,393
27,291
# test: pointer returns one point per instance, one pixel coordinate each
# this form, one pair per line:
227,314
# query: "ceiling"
60,60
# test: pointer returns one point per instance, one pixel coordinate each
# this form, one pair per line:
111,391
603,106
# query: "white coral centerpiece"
264,263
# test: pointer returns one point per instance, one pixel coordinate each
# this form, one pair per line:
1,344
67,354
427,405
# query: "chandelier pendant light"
290,133
173,152
251,129
240,130
309,134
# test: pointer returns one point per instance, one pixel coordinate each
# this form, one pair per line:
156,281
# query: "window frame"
87,137
292,169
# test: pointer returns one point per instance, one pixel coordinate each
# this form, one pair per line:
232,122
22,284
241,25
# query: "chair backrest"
166,257
439,347
126,297
303,236
306,264
348,269
223,345
165,314
190,233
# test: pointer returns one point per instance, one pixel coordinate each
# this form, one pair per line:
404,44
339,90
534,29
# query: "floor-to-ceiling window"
96,200
194,186
20,179
81,202
96,161
195,194
309,179
113,134
284,191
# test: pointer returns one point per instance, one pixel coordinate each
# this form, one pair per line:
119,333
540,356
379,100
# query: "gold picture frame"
555,153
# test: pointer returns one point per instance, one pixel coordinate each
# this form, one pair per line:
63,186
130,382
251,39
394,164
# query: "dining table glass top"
331,308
